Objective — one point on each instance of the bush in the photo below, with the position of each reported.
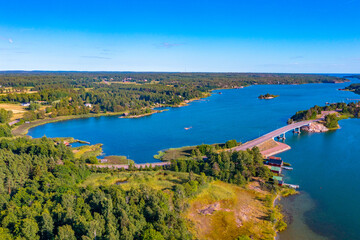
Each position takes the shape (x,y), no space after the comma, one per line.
(243,237)
(5,115)
(331,121)
(5,131)
(231,143)
(92,160)
(281,225)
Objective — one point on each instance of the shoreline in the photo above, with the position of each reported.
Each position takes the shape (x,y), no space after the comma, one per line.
(23,129)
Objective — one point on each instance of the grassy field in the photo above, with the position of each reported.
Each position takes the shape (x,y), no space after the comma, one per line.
(238,212)
(161,180)
(267,145)
(17,109)
(8,90)
(118,160)
(174,153)
(87,151)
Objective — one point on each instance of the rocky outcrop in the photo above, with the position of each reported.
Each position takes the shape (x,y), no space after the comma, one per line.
(315,127)
(210,209)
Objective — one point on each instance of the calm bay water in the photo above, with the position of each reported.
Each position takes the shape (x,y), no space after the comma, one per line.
(325,165)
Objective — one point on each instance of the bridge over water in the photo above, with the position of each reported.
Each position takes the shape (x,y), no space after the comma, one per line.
(243,147)
(271,135)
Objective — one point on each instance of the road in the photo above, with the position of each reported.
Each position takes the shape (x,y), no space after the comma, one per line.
(272,134)
(127,166)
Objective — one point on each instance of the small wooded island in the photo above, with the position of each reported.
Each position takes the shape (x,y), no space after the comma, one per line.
(268,96)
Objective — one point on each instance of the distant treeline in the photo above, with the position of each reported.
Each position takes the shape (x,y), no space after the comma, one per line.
(67,92)
(204,80)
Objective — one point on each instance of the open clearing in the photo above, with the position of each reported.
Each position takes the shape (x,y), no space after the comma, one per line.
(17,109)
(160,180)
(235,212)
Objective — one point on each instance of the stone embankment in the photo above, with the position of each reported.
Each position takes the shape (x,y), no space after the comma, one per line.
(315,127)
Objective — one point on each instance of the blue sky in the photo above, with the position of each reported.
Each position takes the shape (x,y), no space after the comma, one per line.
(205,36)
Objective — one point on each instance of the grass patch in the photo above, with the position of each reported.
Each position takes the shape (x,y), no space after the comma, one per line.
(118,160)
(17,109)
(240,213)
(159,155)
(87,151)
(269,144)
(287,191)
(160,180)
(176,153)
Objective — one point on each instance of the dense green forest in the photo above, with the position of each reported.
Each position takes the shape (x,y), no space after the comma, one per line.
(40,198)
(204,80)
(232,167)
(65,93)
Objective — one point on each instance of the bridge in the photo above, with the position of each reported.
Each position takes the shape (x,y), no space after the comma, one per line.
(280,132)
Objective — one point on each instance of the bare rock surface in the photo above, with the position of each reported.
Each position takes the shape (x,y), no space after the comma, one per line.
(210,209)
(315,127)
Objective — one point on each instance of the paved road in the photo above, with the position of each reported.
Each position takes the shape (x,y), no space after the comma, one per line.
(127,166)
(272,134)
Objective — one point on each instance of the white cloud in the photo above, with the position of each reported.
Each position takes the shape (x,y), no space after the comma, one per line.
(10,40)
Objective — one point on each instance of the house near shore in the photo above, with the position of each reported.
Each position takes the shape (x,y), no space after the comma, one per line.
(275,169)
(25,104)
(278,179)
(89,105)
(274,161)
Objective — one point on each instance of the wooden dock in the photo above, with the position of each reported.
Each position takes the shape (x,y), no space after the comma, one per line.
(291,185)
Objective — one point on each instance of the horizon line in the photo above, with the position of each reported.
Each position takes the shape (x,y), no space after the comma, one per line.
(117,71)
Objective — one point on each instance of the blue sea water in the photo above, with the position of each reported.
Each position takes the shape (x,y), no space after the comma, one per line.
(326,165)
